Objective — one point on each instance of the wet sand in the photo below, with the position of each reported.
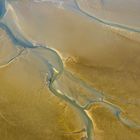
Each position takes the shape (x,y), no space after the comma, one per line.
(100,79)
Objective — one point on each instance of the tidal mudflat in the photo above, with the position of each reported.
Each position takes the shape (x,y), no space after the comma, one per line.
(69,70)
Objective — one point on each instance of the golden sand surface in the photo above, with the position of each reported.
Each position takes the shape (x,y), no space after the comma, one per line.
(28,110)
(108,59)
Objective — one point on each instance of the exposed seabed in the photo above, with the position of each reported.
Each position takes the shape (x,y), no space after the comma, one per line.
(58,78)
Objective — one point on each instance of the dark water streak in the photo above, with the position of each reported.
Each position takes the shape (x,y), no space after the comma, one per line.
(56,70)
(106,22)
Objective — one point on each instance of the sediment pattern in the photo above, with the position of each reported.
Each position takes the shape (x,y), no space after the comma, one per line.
(60,80)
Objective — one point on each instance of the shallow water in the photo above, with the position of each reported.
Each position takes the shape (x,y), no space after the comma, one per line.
(66,74)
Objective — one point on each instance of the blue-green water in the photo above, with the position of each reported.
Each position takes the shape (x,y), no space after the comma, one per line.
(56,71)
